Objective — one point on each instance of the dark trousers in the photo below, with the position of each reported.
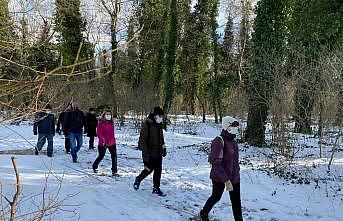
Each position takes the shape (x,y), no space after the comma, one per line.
(154,165)
(67,144)
(235,197)
(41,141)
(91,142)
(102,151)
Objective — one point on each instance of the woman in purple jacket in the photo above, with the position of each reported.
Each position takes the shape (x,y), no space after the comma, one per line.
(225,169)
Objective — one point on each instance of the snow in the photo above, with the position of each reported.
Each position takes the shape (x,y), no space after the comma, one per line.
(77,194)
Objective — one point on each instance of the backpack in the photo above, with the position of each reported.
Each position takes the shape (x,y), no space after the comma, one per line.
(210,151)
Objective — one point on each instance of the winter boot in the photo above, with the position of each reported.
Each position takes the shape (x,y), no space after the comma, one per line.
(158,191)
(115,174)
(95,170)
(136,184)
(203,216)
(36,152)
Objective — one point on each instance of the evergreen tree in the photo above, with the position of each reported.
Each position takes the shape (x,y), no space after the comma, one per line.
(70,26)
(133,77)
(202,51)
(227,65)
(244,39)
(268,45)
(215,94)
(315,27)
(188,61)
(171,56)
(152,41)
(6,34)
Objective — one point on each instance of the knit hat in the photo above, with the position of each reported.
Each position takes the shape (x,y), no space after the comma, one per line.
(229,121)
(158,110)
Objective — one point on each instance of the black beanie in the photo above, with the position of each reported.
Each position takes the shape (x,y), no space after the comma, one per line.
(158,110)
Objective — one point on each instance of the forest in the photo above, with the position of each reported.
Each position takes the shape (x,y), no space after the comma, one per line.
(272,69)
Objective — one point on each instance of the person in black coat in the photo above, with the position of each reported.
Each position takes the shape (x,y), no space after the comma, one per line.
(44,126)
(91,124)
(74,122)
(60,123)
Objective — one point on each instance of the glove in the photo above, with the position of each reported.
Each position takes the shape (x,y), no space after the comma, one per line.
(164,152)
(229,186)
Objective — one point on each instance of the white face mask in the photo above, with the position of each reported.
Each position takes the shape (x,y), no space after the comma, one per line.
(108,117)
(233,130)
(159,119)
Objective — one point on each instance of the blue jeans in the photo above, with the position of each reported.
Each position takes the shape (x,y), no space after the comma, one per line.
(75,137)
(41,141)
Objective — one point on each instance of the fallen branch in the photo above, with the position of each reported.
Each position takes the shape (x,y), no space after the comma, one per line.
(16,195)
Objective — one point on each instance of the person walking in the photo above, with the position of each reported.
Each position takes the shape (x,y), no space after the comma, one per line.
(91,124)
(106,135)
(44,126)
(225,172)
(61,128)
(151,142)
(74,122)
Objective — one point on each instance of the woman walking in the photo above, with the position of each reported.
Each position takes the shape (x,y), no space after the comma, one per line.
(225,169)
(106,135)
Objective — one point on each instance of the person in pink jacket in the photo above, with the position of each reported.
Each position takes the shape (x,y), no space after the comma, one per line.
(106,135)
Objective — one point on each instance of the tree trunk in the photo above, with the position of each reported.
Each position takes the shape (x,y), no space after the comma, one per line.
(214,104)
(171,57)
(257,116)
(114,45)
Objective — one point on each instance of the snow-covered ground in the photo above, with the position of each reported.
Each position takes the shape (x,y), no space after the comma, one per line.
(269,191)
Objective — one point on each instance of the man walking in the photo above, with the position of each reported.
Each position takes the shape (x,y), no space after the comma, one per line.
(60,123)
(44,126)
(74,122)
(151,142)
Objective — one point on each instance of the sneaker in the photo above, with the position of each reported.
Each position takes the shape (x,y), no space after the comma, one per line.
(158,191)
(203,216)
(49,155)
(95,170)
(136,184)
(74,161)
(68,152)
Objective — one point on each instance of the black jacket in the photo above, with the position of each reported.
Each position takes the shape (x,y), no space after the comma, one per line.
(44,123)
(91,124)
(151,138)
(74,121)
(60,122)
